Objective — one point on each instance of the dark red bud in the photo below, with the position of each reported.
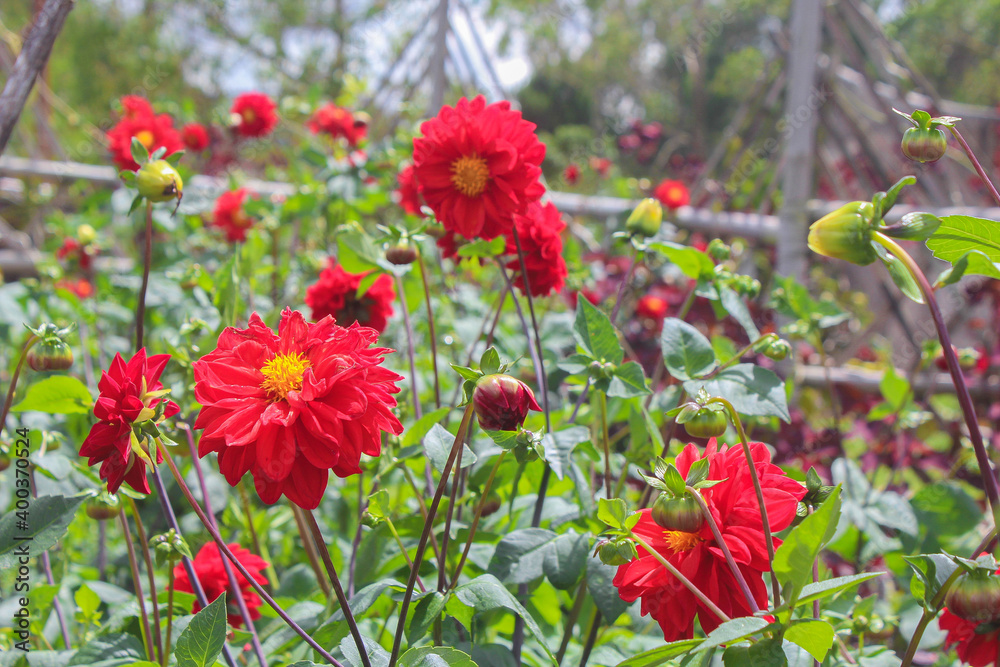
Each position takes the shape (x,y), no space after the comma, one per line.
(502,402)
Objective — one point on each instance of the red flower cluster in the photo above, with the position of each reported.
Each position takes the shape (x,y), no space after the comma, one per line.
(72,251)
(338,122)
(289,407)
(408,193)
(643,139)
(256,114)
(130,393)
(734,506)
(672,194)
(230,217)
(539,232)
(140,121)
(478,166)
(195,137)
(211,573)
(335,294)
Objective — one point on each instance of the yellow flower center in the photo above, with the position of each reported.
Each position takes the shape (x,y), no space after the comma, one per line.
(145,138)
(284,374)
(469,175)
(679,541)
(248,115)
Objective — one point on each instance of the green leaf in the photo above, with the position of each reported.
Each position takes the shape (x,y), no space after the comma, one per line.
(733,631)
(895,388)
(595,334)
(366,282)
(830,587)
(612,512)
(692,262)
(603,591)
(628,382)
(815,636)
(111,650)
(57,395)
(753,390)
(519,556)
(931,571)
(435,656)
(486,593)
(489,364)
(794,559)
(661,655)
(202,640)
(559,447)
(140,154)
(686,352)
(87,601)
(377,656)
(483,248)
(378,504)
(415,433)
(944,510)
(974,262)
(47,519)
(565,559)
(737,309)
(437,445)
(900,274)
(425,612)
(765,653)
(958,234)
(356,252)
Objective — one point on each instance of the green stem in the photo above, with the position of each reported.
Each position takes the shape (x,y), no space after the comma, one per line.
(602,407)
(477,517)
(147,636)
(147,259)
(961,389)
(310,549)
(170,614)
(446,533)
(13,381)
(768,538)
(574,614)
(739,355)
(402,550)
(975,163)
(681,578)
(258,547)
(151,576)
(410,352)
(430,327)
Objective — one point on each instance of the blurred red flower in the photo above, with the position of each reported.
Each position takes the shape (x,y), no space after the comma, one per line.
(130,393)
(230,216)
(195,136)
(81,287)
(335,293)
(539,231)
(408,192)
(257,115)
(290,407)
(672,194)
(72,250)
(601,165)
(211,573)
(338,122)
(138,120)
(652,307)
(733,504)
(571,174)
(477,166)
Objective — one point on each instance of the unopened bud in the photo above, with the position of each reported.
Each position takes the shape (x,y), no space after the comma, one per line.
(924,144)
(159,181)
(646,218)
(502,402)
(50,354)
(845,234)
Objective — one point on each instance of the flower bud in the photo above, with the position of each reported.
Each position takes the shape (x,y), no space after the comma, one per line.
(646,218)
(975,596)
(502,402)
(707,423)
(845,234)
(778,350)
(681,513)
(401,254)
(924,144)
(370,520)
(86,234)
(617,553)
(50,354)
(103,507)
(718,250)
(159,181)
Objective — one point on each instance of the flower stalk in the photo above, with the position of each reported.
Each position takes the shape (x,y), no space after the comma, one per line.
(147,258)
(151,575)
(147,635)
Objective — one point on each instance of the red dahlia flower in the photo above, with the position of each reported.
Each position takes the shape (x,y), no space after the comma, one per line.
(652,307)
(335,293)
(408,193)
(338,122)
(539,231)
(195,136)
(130,393)
(477,166)
(139,121)
(256,112)
(80,287)
(601,165)
(289,407)
(571,174)
(672,194)
(230,216)
(977,643)
(734,505)
(211,573)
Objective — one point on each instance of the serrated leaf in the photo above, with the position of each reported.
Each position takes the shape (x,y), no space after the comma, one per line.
(734,631)
(959,234)
(435,656)
(111,650)
(932,570)
(377,656)
(661,655)
(201,641)
(559,447)
(57,395)
(686,352)
(765,653)
(794,559)
(737,309)
(612,512)
(48,517)
(628,381)
(595,334)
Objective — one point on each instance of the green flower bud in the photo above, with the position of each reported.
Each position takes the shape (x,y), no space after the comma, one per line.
(159,181)
(103,507)
(617,553)
(975,596)
(845,234)
(681,513)
(778,350)
(50,354)
(646,218)
(707,423)
(924,144)
(718,250)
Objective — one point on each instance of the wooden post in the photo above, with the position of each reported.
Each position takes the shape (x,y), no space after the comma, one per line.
(802,102)
(440,79)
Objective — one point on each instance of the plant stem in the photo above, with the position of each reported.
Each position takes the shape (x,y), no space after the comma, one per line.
(681,578)
(423,508)
(430,327)
(574,614)
(975,163)
(147,635)
(745,442)
(258,547)
(446,534)
(543,383)
(234,584)
(961,389)
(595,625)
(310,549)
(410,353)
(102,551)
(624,285)
(402,550)
(418,557)
(147,259)
(13,382)
(602,407)
(47,569)
(356,542)
(733,567)
(739,355)
(324,553)
(151,576)
(170,614)
(224,548)
(477,517)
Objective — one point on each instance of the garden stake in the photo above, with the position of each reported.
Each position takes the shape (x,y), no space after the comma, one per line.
(324,553)
(224,548)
